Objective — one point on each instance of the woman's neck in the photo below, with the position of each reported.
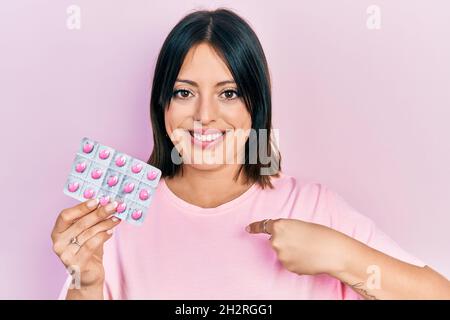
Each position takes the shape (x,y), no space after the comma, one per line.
(208,188)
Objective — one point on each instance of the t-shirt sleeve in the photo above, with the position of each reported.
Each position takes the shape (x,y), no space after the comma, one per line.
(348,220)
(111,287)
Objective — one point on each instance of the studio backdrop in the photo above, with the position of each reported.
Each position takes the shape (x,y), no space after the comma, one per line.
(361,96)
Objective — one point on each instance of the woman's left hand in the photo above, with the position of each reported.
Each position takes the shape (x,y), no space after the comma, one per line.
(304,247)
(309,248)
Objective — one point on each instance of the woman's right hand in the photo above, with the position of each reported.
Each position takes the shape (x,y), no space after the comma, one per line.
(91,225)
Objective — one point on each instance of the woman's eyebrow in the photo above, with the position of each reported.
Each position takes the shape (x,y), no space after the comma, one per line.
(195,84)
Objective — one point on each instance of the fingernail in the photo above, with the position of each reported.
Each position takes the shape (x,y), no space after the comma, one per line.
(110,231)
(110,207)
(92,203)
(115,219)
(247,228)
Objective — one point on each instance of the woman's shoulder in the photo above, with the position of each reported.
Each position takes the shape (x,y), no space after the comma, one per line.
(317,202)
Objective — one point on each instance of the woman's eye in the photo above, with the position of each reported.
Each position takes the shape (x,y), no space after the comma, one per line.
(230,94)
(183,94)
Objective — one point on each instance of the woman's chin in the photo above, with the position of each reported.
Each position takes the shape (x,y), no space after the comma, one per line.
(204,166)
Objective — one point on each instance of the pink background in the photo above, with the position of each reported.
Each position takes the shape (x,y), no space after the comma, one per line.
(363,111)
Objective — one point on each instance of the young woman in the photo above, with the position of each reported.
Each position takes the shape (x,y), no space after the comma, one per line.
(207,233)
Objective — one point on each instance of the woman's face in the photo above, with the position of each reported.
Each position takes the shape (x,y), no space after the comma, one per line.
(207,119)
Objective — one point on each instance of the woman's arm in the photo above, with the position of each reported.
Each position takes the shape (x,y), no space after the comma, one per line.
(309,248)
(376,275)
(93,292)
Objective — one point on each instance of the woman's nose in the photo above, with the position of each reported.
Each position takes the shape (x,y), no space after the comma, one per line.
(206,110)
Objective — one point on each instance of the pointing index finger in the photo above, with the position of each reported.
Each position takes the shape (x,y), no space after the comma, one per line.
(258,226)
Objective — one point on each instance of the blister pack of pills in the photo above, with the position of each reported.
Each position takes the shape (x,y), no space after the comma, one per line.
(99,171)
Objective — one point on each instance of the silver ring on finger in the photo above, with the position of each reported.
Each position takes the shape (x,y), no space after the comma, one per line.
(74,240)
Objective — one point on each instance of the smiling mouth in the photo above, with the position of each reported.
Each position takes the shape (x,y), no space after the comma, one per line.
(207,136)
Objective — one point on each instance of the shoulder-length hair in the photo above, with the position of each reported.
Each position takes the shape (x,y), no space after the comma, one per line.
(239,47)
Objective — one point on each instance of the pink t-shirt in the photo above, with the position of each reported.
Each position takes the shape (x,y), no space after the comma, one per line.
(183,251)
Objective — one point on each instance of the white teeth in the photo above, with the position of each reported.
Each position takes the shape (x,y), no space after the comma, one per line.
(207,137)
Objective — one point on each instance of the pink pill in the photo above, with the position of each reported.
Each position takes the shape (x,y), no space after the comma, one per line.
(96,174)
(121,207)
(136,168)
(151,175)
(112,181)
(120,161)
(104,154)
(87,148)
(129,187)
(136,215)
(73,186)
(143,194)
(104,200)
(88,193)
(80,167)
